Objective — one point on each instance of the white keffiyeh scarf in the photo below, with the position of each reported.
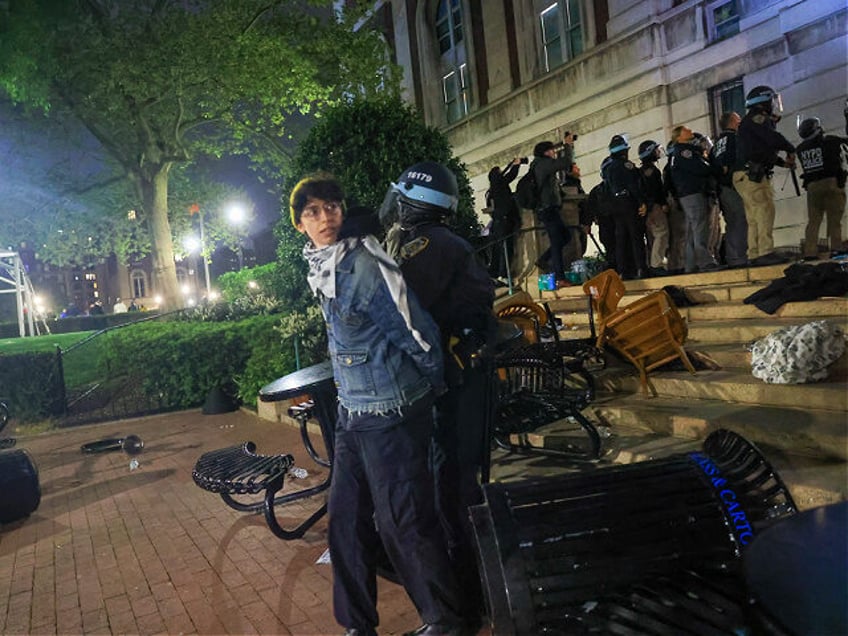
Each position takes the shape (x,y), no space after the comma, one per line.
(322,274)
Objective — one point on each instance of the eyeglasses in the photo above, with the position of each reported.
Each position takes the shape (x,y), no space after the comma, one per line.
(330,208)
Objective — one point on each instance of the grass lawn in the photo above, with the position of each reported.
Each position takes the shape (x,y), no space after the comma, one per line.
(80,365)
(41,343)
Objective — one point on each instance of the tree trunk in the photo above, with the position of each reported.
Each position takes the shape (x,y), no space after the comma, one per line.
(165,283)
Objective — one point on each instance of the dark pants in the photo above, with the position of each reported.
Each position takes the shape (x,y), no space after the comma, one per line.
(383,476)
(502,227)
(558,235)
(458,453)
(736,226)
(629,240)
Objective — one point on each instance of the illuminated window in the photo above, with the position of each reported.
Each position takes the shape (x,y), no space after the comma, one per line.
(455,88)
(562,32)
(138,282)
(722,19)
(450,37)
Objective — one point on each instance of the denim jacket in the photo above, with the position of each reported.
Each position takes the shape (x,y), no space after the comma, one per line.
(379,366)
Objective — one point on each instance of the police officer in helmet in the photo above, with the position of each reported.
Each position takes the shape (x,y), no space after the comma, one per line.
(441,269)
(628,205)
(758,144)
(824,159)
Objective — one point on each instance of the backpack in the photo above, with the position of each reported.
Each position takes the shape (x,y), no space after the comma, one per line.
(600,201)
(527,190)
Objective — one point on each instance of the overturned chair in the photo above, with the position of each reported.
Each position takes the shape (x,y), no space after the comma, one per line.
(648,333)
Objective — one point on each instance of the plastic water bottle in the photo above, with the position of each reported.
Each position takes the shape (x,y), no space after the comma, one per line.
(298,473)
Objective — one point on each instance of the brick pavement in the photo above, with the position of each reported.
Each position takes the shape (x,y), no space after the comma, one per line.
(145,551)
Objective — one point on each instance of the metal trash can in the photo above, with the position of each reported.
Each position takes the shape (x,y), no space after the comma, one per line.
(20,492)
(550,546)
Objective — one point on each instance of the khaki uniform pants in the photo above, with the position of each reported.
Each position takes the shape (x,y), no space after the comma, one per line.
(825,199)
(657,225)
(759,210)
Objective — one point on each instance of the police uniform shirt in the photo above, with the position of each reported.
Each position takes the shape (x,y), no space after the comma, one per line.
(758,140)
(439,267)
(624,180)
(654,188)
(690,171)
(723,157)
(824,156)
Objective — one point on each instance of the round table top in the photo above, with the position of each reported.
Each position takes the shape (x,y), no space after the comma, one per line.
(797,570)
(298,382)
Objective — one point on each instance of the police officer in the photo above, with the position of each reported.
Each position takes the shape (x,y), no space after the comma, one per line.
(656,220)
(691,174)
(624,183)
(598,209)
(545,165)
(676,219)
(723,160)
(440,268)
(758,143)
(824,159)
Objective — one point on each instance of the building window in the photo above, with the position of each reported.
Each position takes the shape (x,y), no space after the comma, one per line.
(452,57)
(455,90)
(448,25)
(727,97)
(562,32)
(138,282)
(722,19)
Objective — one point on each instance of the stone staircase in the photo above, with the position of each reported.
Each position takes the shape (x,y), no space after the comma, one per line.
(802,429)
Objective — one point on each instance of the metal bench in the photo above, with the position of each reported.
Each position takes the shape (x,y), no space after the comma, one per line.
(573,553)
(544,382)
(240,471)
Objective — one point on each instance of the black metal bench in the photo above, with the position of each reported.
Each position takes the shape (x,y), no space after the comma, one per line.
(240,471)
(544,382)
(650,548)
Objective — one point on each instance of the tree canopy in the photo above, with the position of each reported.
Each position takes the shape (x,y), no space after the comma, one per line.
(162,83)
(366,143)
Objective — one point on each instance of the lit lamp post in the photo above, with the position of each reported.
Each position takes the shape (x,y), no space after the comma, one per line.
(237,215)
(195,209)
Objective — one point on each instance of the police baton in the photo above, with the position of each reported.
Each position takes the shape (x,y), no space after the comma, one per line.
(795,182)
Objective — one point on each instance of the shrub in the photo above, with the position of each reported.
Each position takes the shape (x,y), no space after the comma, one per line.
(179,362)
(31,384)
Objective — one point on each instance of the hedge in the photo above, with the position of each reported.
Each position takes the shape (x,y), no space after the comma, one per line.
(31,385)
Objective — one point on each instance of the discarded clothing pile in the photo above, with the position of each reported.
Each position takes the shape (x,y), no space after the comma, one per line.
(801,282)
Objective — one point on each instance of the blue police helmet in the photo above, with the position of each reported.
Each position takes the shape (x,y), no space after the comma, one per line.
(429,183)
(618,143)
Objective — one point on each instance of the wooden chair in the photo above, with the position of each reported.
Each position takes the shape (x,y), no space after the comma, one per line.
(649,333)
(606,290)
(521,309)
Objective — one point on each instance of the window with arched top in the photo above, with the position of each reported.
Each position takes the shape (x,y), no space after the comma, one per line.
(138,283)
(450,35)
(561,25)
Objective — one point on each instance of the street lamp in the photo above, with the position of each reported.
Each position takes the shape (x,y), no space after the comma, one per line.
(237,216)
(195,209)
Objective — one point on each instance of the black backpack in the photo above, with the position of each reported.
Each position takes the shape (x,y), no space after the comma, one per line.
(527,190)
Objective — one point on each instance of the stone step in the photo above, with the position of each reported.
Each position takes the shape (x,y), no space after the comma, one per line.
(729,331)
(807,432)
(812,481)
(576,313)
(737,356)
(752,277)
(732,387)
